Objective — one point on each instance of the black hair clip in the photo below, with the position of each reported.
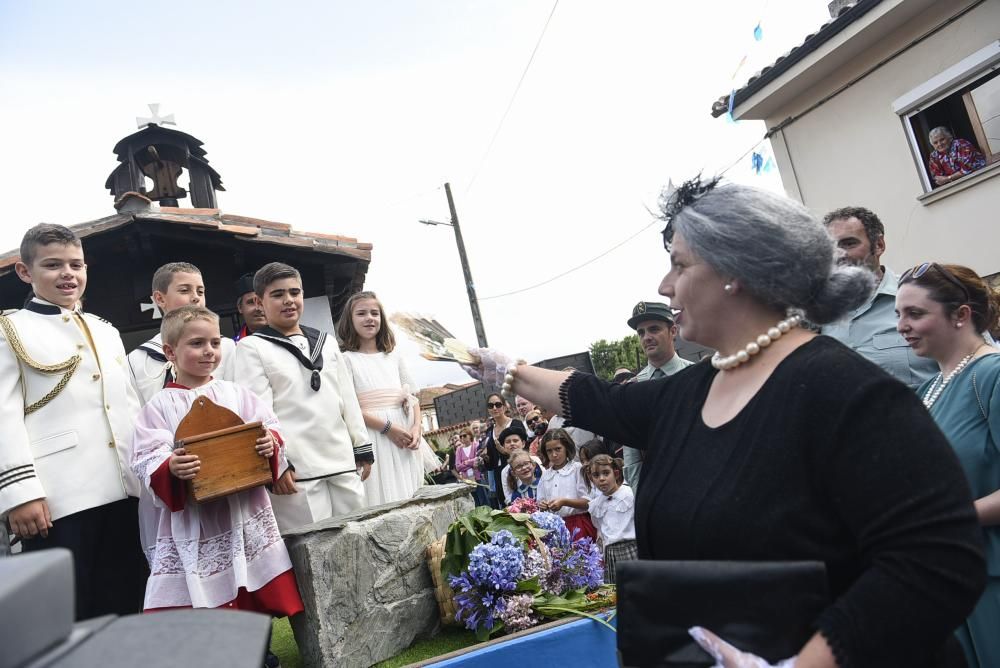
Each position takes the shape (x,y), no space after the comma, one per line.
(314,381)
(674,198)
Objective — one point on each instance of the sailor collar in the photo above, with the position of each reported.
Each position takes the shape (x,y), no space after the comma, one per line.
(316,340)
(154,348)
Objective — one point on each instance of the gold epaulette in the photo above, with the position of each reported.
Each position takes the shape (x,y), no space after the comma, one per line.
(66,368)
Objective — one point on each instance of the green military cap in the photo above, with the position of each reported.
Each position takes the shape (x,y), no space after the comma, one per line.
(650,311)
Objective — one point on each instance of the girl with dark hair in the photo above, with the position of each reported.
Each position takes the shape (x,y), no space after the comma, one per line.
(612,509)
(563,488)
(944,313)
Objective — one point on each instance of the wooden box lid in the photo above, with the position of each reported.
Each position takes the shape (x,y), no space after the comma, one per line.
(227,450)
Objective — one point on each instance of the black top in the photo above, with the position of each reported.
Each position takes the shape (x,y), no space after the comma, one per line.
(496,460)
(833,460)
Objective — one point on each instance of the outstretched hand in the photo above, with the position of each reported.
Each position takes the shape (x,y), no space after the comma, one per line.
(727,656)
(493,365)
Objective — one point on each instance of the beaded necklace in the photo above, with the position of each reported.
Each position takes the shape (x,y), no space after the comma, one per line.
(937,385)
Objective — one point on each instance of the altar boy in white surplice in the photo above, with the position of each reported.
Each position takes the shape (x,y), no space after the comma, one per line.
(226,553)
(300,373)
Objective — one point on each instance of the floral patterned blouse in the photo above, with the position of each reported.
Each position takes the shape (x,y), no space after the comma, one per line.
(962,156)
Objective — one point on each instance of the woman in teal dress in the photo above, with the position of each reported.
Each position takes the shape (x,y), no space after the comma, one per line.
(944,313)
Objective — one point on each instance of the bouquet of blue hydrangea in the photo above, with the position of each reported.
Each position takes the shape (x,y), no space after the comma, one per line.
(509,571)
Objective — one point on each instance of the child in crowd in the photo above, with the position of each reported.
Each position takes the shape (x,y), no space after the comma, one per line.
(468,461)
(66,415)
(240,560)
(563,488)
(304,379)
(390,410)
(512,439)
(175,284)
(589,450)
(612,508)
(523,474)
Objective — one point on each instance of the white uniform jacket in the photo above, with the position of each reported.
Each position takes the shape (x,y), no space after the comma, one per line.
(73,451)
(313,397)
(149,370)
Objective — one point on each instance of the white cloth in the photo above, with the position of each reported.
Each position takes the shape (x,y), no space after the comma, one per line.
(74,451)
(148,372)
(318,500)
(566,483)
(383,383)
(200,556)
(614,516)
(323,428)
(505,479)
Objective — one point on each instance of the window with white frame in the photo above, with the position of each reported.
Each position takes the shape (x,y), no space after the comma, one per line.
(952,121)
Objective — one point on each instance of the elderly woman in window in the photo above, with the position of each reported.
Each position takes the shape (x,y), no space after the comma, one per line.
(952,158)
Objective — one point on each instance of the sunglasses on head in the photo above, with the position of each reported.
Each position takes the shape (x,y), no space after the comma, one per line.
(495,404)
(914,273)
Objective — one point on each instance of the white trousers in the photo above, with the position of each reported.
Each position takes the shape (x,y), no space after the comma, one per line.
(318,500)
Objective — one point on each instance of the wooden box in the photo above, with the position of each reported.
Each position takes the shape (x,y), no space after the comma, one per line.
(227,450)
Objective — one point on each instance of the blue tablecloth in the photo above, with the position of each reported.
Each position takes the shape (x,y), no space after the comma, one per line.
(580,643)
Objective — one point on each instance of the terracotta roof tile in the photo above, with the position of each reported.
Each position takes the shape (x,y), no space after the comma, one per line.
(251,229)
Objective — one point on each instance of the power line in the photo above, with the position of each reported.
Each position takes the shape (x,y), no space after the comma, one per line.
(616,246)
(579,266)
(510,104)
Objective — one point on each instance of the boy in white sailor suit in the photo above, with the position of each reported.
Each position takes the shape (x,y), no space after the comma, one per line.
(175,284)
(66,415)
(300,372)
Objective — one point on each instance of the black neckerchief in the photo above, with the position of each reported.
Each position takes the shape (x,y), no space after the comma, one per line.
(155,350)
(42,309)
(316,339)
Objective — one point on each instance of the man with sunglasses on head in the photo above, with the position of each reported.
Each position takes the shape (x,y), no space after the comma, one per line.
(870,330)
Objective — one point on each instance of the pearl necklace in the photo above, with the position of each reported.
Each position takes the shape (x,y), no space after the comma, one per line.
(754,347)
(937,386)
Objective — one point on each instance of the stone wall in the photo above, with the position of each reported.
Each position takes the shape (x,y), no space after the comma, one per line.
(364,578)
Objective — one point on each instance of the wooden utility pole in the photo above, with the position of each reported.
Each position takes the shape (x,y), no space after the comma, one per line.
(470,287)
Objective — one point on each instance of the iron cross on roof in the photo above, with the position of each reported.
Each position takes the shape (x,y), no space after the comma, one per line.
(156,119)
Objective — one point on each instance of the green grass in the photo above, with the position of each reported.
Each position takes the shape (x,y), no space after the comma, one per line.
(283,643)
(450,639)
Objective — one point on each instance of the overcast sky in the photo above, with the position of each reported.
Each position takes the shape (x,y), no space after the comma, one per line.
(347,118)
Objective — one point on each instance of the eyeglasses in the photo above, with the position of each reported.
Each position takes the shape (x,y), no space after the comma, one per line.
(495,404)
(532,421)
(916,272)
(465,436)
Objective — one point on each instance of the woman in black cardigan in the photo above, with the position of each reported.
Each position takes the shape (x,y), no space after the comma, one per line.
(787,446)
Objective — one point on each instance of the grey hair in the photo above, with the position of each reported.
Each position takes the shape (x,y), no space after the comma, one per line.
(939,130)
(778,251)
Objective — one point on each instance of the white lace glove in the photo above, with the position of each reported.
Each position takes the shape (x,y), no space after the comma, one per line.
(727,656)
(493,365)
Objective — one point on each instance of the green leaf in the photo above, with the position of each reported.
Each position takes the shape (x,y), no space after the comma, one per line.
(531,585)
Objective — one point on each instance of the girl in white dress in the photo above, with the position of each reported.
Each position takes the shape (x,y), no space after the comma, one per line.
(390,410)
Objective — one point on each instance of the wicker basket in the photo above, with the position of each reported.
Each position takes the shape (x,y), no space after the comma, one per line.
(442,590)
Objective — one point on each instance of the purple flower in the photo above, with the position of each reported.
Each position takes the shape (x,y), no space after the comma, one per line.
(558,534)
(577,567)
(497,565)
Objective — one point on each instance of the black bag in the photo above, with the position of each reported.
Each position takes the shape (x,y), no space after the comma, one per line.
(767,608)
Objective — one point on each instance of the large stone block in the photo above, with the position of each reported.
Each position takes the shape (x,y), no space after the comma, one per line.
(364,578)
